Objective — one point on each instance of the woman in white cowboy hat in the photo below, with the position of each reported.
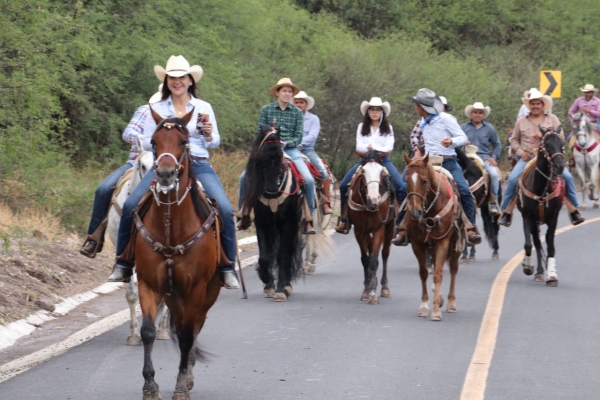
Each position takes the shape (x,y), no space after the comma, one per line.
(104,192)
(489,148)
(374,133)
(178,98)
(311,130)
(524,141)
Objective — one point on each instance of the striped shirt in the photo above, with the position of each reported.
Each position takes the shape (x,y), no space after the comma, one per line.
(135,128)
(290,120)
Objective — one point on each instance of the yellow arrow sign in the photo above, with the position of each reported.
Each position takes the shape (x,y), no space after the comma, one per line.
(550,83)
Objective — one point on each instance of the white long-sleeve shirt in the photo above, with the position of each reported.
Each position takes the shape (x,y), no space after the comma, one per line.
(439,128)
(379,142)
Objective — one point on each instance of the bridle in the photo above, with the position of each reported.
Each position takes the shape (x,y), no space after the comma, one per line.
(362,182)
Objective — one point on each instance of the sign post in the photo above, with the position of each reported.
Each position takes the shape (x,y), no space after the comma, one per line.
(550,83)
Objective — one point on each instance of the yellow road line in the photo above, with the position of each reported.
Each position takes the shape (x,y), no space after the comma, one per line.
(476,379)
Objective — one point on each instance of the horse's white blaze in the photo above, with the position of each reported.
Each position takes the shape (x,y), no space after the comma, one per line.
(372,173)
(415,177)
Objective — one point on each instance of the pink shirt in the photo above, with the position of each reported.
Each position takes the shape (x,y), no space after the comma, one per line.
(594,106)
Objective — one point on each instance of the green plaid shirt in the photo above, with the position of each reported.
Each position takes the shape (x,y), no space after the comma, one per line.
(290,120)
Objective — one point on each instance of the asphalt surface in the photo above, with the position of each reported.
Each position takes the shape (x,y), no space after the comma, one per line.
(325,344)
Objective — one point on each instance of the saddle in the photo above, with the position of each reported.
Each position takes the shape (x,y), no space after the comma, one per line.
(437,161)
(471,151)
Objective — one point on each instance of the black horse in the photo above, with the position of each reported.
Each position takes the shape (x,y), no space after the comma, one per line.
(274,193)
(540,203)
(482,195)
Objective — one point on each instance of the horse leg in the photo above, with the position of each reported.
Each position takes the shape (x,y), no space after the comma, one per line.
(472,255)
(385,253)
(441,253)
(378,238)
(581,174)
(535,232)
(429,261)
(420,252)
(364,260)
(289,259)
(465,255)
(131,295)
(527,265)
(552,277)
(594,188)
(453,262)
(163,323)
(264,263)
(148,302)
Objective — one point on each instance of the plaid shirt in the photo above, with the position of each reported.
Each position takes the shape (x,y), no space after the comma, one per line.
(416,136)
(290,120)
(135,127)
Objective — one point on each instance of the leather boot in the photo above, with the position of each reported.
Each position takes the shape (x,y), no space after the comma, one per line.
(505,220)
(576,217)
(121,273)
(401,238)
(308,228)
(229,279)
(494,209)
(343,226)
(473,236)
(326,198)
(89,248)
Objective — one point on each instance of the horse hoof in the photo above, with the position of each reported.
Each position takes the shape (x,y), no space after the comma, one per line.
(596,205)
(190,382)
(495,256)
(310,268)
(385,293)
(268,293)
(451,308)
(430,270)
(279,297)
(552,282)
(436,316)
(288,290)
(464,260)
(152,394)
(423,312)
(181,396)
(163,334)
(373,299)
(134,340)
(527,269)
(364,297)
(538,278)
(472,259)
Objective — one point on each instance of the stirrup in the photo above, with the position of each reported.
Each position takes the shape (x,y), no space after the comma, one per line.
(343,226)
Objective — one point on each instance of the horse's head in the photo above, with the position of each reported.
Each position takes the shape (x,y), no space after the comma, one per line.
(376,177)
(551,151)
(583,128)
(142,165)
(170,144)
(418,182)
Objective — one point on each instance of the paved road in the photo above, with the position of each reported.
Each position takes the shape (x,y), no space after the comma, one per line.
(325,344)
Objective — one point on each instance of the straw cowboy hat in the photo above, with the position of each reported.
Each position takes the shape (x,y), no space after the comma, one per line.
(309,100)
(284,82)
(477,106)
(427,99)
(447,107)
(178,66)
(156,97)
(589,88)
(535,94)
(375,102)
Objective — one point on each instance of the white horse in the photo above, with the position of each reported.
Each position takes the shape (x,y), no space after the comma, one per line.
(587,155)
(143,164)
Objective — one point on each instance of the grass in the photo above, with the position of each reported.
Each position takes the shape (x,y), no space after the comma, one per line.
(26,222)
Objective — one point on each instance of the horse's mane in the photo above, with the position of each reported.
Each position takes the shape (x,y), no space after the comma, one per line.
(266,155)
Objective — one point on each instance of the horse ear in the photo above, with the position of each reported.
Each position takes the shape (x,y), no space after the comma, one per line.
(426,159)
(187,117)
(138,141)
(155,115)
(407,159)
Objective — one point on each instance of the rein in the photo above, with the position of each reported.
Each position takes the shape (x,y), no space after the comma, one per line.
(361,206)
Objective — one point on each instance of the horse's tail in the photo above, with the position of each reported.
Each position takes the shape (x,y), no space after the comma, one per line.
(490,223)
(319,244)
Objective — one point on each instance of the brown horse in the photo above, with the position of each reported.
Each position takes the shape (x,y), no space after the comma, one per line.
(177,253)
(371,210)
(435,223)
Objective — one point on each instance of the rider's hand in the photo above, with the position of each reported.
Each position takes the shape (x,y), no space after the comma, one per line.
(492,162)
(447,142)
(370,147)
(207,128)
(537,135)
(208,138)
(586,110)
(525,157)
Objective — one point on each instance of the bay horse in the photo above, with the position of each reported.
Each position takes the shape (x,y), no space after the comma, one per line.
(371,210)
(586,153)
(434,224)
(142,165)
(273,191)
(540,201)
(177,251)
(481,189)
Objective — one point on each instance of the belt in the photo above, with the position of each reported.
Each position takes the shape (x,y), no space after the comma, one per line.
(448,157)
(198,158)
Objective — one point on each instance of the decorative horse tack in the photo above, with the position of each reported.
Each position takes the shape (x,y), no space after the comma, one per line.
(274,204)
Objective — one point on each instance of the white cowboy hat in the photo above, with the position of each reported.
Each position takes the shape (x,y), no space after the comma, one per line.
(589,88)
(376,102)
(427,99)
(302,95)
(283,82)
(535,94)
(477,106)
(156,97)
(447,106)
(178,66)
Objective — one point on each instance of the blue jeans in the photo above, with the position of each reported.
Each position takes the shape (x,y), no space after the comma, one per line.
(494,178)
(213,188)
(316,161)
(309,181)
(103,195)
(397,178)
(466,198)
(517,172)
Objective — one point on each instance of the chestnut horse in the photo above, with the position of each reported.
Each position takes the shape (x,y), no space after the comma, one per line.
(435,223)
(371,211)
(176,252)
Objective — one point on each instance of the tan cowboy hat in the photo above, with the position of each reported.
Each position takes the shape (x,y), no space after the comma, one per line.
(535,94)
(376,102)
(178,66)
(427,99)
(309,100)
(477,106)
(156,97)
(589,88)
(283,82)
